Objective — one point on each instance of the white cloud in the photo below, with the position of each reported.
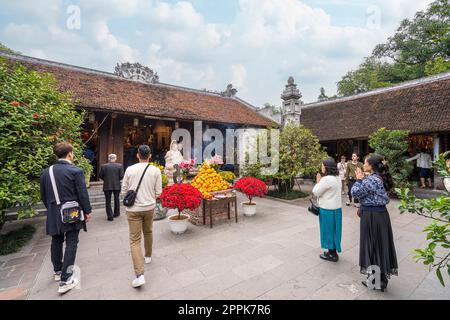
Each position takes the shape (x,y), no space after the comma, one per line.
(265,43)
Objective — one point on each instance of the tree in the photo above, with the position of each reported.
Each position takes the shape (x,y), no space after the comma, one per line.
(437,253)
(5,49)
(419,48)
(34,116)
(322,96)
(393,144)
(300,154)
(419,40)
(371,74)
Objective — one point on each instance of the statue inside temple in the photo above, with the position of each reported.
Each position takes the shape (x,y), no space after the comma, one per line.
(173,157)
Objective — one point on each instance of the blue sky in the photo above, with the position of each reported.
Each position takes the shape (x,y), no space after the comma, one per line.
(254,44)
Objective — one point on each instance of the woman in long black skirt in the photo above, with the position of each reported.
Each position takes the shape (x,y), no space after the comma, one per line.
(377,248)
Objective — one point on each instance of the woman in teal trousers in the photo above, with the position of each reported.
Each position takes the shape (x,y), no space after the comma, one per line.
(328,190)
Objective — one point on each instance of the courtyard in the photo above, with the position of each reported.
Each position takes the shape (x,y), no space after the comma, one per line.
(273,255)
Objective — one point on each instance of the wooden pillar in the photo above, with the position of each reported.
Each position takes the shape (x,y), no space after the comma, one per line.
(436,150)
(118,138)
(111,134)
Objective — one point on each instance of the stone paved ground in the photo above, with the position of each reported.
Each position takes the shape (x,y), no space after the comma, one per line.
(274,255)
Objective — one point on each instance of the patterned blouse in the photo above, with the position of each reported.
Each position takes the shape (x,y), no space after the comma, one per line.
(370,191)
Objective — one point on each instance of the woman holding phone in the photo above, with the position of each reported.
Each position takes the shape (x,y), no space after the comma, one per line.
(376,246)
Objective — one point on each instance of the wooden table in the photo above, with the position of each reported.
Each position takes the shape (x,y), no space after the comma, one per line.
(229,201)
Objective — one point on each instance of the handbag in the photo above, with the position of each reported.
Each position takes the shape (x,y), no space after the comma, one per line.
(70,211)
(313,208)
(130,197)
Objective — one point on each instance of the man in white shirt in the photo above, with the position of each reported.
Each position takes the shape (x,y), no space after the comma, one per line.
(140,215)
(424,164)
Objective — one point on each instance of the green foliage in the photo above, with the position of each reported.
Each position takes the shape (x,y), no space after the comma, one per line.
(254,170)
(34,116)
(393,144)
(438,232)
(13,241)
(436,66)
(371,74)
(292,195)
(5,49)
(421,39)
(300,154)
(419,48)
(442,164)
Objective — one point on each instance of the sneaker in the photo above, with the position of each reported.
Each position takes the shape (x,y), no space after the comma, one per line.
(68,285)
(139,281)
(348,203)
(57,276)
(148,260)
(357,205)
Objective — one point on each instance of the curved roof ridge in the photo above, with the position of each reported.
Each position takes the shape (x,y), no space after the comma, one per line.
(26,58)
(403,85)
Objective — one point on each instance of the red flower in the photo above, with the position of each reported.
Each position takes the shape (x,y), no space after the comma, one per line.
(252,187)
(181,197)
(36,115)
(15,103)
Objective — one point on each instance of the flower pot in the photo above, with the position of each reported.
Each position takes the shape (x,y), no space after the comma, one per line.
(160,212)
(249,209)
(447,183)
(178,226)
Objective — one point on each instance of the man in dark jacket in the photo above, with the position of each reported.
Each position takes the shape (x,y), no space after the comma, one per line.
(111,174)
(71,186)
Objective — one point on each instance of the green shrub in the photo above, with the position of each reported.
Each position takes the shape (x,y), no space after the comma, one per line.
(14,240)
(393,144)
(34,116)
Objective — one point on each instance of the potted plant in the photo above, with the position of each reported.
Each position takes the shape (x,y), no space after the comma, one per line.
(180,197)
(442,165)
(252,187)
(186,166)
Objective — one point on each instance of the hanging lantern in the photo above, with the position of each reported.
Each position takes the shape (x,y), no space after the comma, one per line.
(177,125)
(136,122)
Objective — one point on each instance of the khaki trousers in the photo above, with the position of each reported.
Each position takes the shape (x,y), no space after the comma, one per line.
(140,223)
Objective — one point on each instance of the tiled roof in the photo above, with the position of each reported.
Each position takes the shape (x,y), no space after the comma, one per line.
(98,90)
(421,106)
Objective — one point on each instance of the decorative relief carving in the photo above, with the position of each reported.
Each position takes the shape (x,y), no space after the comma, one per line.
(136,71)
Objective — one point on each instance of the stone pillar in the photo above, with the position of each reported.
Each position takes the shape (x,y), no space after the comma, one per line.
(438,184)
(291,109)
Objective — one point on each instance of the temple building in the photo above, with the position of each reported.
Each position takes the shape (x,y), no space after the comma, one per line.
(131,107)
(343,125)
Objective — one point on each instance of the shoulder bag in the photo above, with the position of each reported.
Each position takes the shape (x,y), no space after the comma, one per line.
(313,208)
(70,211)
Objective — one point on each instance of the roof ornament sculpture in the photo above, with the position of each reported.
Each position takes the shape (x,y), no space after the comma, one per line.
(137,72)
(291,91)
(230,92)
